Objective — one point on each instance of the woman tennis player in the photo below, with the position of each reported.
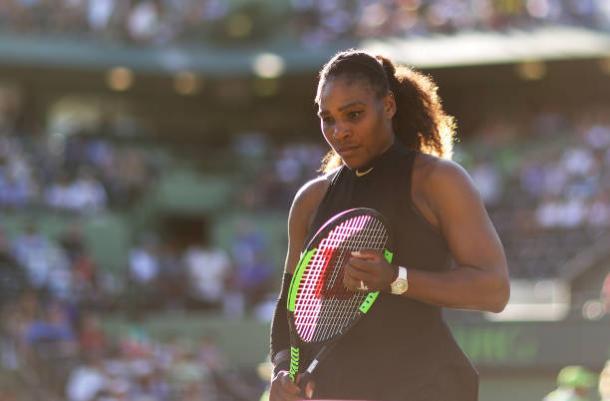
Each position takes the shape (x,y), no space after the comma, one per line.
(390,144)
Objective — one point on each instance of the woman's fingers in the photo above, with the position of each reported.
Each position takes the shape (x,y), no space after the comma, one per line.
(309,389)
(283,389)
(366,269)
(357,275)
(308,386)
(289,385)
(357,281)
(369,254)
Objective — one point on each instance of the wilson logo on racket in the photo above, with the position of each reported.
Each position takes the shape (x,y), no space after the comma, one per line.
(320,309)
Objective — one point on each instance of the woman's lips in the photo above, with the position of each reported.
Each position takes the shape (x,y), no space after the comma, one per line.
(347,150)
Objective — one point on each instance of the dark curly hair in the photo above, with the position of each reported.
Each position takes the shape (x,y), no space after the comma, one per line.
(420,122)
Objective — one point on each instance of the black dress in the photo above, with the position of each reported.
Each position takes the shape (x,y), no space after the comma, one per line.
(403,350)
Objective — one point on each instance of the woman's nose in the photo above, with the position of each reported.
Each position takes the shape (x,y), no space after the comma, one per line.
(340,131)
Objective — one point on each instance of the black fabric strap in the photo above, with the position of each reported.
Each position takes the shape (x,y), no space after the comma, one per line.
(280,338)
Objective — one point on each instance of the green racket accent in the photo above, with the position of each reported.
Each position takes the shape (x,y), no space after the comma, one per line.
(372,296)
(294,363)
(388,255)
(368,301)
(296,278)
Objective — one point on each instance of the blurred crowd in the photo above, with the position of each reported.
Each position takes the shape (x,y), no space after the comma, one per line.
(158,275)
(237,282)
(80,174)
(546,185)
(63,166)
(556,170)
(66,171)
(82,168)
(313,22)
(280,171)
(142,22)
(63,268)
(321,21)
(65,353)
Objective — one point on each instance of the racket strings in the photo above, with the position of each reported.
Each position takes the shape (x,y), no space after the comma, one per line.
(322,315)
(336,313)
(340,312)
(345,312)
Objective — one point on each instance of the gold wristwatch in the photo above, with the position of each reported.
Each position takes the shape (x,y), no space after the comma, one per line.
(401,284)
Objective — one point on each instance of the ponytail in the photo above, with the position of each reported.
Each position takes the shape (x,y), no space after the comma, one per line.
(420,122)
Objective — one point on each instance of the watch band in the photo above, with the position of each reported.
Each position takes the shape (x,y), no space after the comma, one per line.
(402,272)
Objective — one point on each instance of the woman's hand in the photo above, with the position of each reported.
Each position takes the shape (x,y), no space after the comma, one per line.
(368,270)
(284,389)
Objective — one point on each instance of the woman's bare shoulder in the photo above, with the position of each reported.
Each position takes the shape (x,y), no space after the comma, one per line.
(302,212)
(434,180)
(430,171)
(310,195)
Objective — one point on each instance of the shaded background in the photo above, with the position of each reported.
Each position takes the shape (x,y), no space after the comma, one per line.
(149,151)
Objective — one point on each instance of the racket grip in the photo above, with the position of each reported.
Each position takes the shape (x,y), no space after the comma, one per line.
(306,376)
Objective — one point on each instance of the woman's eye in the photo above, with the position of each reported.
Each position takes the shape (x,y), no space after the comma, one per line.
(328,120)
(354,114)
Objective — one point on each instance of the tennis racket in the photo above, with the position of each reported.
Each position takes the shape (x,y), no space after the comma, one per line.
(320,309)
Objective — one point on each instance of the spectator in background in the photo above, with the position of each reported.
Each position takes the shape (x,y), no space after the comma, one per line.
(128,176)
(13,279)
(488,181)
(14,192)
(208,270)
(85,280)
(143,263)
(143,272)
(99,13)
(254,278)
(53,325)
(52,345)
(253,272)
(38,255)
(87,380)
(574,384)
(143,22)
(84,194)
(60,194)
(90,195)
(91,337)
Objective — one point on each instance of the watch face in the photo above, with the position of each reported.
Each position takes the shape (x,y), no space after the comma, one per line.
(399,286)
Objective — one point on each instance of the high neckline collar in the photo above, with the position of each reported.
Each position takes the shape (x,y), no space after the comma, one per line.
(377,162)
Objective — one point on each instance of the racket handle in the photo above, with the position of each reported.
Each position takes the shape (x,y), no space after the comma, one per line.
(306,376)
(313,365)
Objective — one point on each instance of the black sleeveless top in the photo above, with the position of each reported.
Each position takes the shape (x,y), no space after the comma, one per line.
(403,350)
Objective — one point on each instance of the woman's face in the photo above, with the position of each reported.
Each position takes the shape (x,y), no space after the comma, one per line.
(355,122)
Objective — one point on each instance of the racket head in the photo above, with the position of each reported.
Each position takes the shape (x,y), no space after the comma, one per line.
(320,308)
(318,280)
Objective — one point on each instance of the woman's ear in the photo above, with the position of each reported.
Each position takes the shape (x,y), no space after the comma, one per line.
(389,105)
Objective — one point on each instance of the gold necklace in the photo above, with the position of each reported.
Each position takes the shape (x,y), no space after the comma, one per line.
(362,174)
